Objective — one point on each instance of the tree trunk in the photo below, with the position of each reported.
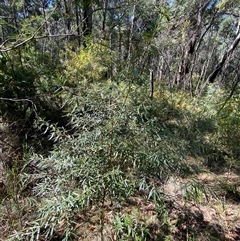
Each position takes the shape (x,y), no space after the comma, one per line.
(151,84)
(77,21)
(87,20)
(104,15)
(211,78)
(190,48)
(68,15)
(131,34)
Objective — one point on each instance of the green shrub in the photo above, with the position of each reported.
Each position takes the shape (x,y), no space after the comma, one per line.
(225,113)
(116,145)
(29,89)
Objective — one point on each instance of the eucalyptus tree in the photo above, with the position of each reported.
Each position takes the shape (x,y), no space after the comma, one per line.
(229,35)
(195,42)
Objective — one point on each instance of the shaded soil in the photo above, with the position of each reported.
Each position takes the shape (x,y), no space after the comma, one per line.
(209,215)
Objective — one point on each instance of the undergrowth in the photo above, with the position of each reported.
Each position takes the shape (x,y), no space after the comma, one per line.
(120,141)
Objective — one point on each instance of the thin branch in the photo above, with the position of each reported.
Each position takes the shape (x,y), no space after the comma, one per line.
(21,100)
(2,49)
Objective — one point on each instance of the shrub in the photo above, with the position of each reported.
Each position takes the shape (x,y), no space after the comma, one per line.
(116,147)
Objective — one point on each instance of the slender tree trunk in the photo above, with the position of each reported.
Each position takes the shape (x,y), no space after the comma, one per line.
(104,15)
(131,34)
(77,22)
(87,20)
(211,78)
(151,81)
(68,17)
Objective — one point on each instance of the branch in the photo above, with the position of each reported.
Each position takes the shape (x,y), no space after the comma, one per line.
(16,45)
(225,56)
(21,100)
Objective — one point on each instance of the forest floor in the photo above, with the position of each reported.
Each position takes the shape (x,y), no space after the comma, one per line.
(213,209)
(206,209)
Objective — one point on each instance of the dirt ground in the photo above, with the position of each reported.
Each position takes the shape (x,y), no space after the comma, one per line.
(212,211)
